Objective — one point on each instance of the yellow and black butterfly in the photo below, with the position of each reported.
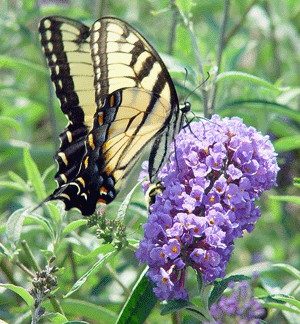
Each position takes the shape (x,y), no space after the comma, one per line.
(117,95)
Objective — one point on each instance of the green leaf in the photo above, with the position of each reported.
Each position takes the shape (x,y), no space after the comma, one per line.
(17,179)
(185,5)
(257,104)
(288,299)
(102,249)
(93,312)
(140,302)
(288,268)
(93,269)
(21,65)
(175,306)
(10,123)
(125,203)
(4,251)
(221,285)
(289,199)
(242,76)
(12,185)
(14,225)
(278,304)
(73,226)
(287,143)
(34,176)
(22,292)
(54,212)
(55,318)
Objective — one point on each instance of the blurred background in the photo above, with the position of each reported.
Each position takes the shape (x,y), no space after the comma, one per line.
(259,81)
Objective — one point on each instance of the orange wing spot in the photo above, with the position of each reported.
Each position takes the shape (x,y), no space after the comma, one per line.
(91,141)
(101,201)
(86,162)
(100,118)
(103,191)
(80,179)
(112,101)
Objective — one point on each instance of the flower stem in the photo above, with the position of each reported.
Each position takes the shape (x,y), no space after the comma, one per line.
(56,305)
(176,318)
(189,25)
(30,256)
(211,105)
(172,34)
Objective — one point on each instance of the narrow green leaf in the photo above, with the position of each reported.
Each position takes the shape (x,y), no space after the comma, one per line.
(102,249)
(4,251)
(221,285)
(175,306)
(34,176)
(257,104)
(54,318)
(54,212)
(18,64)
(17,179)
(73,226)
(22,292)
(242,76)
(288,299)
(124,205)
(93,269)
(12,185)
(76,322)
(287,143)
(10,122)
(288,268)
(14,225)
(290,199)
(93,312)
(140,302)
(282,307)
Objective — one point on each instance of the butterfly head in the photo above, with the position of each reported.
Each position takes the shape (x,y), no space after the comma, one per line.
(185,107)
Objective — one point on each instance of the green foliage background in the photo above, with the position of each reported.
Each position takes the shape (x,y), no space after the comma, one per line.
(259,81)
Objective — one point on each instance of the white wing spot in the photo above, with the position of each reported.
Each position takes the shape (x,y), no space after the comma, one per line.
(97,25)
(50,47)
(96,36)
(54,58)
(63,157)
(47,23)
(95,48)
(132,38)
(48,35)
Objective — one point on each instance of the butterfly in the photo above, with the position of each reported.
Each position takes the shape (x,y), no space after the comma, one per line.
(118,96)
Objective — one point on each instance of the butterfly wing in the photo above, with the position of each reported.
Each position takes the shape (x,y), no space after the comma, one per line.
(129,64)
(65,43)
(135,100)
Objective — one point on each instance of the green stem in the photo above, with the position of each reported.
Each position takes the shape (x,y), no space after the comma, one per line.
(73,263)
(56,305)
(211,105)
(176,318)
(30,256)
(116,277)
(239,24)
(172,35)
(189,25)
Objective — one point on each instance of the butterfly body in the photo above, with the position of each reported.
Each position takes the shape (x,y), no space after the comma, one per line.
(117,95)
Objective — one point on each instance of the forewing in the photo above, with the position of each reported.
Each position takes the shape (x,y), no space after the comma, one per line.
(65,43)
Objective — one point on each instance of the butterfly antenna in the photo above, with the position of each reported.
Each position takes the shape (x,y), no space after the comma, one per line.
(198,86)
(41,203)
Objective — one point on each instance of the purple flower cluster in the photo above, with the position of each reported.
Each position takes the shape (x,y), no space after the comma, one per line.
(238,307)
(220,167)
